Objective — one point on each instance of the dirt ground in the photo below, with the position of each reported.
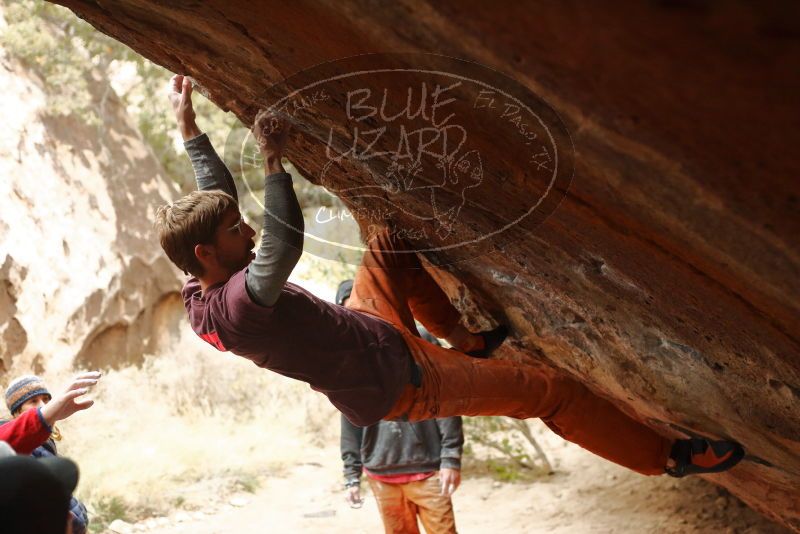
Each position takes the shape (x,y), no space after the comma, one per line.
(587,494)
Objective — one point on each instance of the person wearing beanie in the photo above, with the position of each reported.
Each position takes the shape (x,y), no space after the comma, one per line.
(24,389)
(32,431)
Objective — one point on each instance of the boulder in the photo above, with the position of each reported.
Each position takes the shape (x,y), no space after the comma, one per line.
(83,282)
(663,271)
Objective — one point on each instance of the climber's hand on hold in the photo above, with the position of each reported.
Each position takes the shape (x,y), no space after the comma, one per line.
(271,132)
(180,96)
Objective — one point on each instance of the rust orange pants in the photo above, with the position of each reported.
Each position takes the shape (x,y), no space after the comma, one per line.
(400,504)
(392,284)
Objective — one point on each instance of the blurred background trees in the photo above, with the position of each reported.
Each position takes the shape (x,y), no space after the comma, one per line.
(67,54)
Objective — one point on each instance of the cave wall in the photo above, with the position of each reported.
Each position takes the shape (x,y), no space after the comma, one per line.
(667,277)
(83,283)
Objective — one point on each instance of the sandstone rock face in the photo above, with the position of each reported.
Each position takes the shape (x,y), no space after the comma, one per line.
(82,281)
(667,278)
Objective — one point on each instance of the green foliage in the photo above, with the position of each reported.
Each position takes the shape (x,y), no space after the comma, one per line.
(72,59)
(494,432)
(332,271)
(35,38)
(247,482)
(147,102)
(67,53)
(505,471)
(106,510)
(520,456)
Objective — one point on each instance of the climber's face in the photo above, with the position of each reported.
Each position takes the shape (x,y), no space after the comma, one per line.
(232,249)
(34,402)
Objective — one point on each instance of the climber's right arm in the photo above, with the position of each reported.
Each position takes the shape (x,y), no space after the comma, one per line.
(209,170)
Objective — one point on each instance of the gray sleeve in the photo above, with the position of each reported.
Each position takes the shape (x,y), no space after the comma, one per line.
(452,441)
(281,241)
(350,447)
(209,170)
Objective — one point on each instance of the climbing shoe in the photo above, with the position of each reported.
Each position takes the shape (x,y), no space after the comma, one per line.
(491,340)
(700,455)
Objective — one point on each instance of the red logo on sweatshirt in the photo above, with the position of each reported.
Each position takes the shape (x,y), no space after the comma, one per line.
(213,339)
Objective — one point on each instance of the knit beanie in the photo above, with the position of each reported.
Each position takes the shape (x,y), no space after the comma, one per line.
(24,388)
(343,292)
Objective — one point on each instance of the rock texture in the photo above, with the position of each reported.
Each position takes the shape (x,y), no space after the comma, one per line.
(667,279)
(82,281)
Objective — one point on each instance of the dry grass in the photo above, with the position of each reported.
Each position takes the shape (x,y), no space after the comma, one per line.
(187,418)
(194,423)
